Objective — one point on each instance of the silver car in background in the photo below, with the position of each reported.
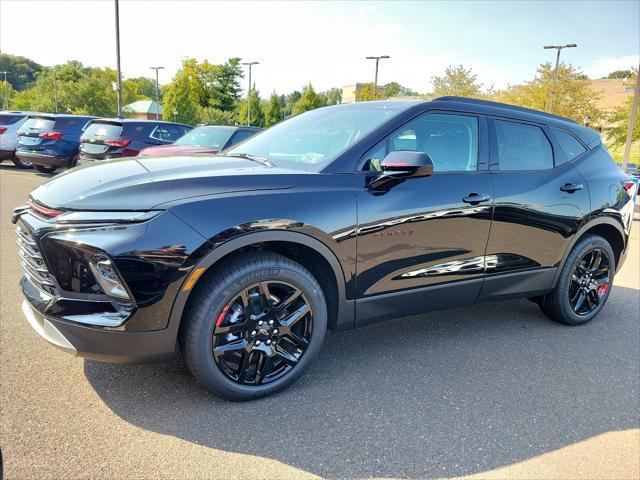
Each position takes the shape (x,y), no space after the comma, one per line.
(10,123)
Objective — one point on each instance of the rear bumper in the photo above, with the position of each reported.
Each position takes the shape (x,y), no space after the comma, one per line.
(100,344)
(43,158)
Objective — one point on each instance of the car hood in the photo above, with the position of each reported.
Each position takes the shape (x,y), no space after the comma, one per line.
(164,150)
(143,183)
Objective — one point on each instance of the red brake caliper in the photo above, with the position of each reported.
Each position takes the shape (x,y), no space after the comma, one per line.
(223,313)
(602,289)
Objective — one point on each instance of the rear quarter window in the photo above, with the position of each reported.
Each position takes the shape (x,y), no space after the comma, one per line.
(70,123)
(570,146)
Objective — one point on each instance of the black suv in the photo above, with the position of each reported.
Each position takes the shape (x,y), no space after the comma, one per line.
(336,218)
(108,138)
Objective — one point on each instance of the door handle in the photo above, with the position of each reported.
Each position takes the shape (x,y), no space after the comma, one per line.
(475,198)
(571,187)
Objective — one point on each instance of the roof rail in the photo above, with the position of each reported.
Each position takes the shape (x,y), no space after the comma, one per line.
(505,106)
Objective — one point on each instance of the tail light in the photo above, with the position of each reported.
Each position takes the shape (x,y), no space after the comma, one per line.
(630,186)
(117,142)
(2,130)
(51,135)
(42,210)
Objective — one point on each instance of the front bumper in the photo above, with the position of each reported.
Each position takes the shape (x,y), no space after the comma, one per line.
(43,159)
(100,344)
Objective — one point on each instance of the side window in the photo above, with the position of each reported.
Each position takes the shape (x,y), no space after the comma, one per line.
(450,140)
(522,147)
(173,132)
(569,145)
(240,136)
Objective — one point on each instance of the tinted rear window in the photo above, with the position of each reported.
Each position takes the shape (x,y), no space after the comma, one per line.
(522,147)
(38,123)
(102,130)
(8,119)
(137,130)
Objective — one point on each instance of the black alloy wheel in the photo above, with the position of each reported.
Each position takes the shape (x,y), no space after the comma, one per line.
(261,334)
(252,325)
(584,283)
(589,282)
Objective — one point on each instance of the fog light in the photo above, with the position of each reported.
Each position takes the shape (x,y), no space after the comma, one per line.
(107,276)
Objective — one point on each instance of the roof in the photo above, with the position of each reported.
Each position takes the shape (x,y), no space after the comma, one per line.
(143,106)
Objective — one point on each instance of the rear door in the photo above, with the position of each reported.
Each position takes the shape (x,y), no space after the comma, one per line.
(93,146)
(421,245)
(540,202)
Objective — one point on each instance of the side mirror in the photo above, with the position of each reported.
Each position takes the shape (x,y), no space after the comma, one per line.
(401,165)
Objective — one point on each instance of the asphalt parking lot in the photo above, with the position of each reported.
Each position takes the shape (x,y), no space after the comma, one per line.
(492,391)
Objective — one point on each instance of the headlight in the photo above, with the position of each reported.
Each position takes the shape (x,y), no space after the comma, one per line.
(107,276)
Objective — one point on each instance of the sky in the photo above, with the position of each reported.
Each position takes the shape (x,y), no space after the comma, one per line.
(326,43)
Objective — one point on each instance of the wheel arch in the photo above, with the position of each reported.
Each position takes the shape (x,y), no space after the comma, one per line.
(306,250)
(605,227)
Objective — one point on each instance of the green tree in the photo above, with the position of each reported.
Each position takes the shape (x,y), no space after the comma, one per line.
(178,97)
(289,102)
(21,71)
(574,99)
(146,87)
(257,115)
(272,110)
(213,116)
(225,87)
(394,89)
(7,95)
(620,118)
(457,81)
(620,74)
(365,93)
(308,101)
(333,96)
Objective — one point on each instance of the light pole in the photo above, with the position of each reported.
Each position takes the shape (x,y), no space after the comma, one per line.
(249,64)
(175,115)
(375,79)
(6,91)
(632,121)
(157,102)
(119,84)
(555,72)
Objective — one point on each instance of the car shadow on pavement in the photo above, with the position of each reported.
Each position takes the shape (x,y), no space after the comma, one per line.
(439,395)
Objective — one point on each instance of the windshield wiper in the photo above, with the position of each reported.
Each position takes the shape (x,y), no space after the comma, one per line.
(248,156)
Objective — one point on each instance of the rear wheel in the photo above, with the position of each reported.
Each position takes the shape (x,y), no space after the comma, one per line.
(254,325)
(20,163)
(45,168)
(584,284)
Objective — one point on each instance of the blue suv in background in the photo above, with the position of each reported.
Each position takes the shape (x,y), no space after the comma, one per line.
(51,141)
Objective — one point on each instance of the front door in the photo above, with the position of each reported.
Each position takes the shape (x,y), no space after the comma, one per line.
(421,245)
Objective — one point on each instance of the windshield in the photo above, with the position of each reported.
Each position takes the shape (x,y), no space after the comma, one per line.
(214,137)
(311,140)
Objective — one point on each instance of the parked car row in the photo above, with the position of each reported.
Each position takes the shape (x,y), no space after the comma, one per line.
(47,141)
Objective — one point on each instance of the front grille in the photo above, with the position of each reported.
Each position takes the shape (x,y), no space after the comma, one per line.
(32,262)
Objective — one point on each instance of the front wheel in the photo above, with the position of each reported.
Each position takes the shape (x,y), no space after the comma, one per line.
(253,326)
(585,283)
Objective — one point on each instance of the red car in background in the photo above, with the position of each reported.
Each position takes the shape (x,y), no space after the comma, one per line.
(203,139)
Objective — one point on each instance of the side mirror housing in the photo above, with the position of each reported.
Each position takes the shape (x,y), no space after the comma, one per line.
(401,165)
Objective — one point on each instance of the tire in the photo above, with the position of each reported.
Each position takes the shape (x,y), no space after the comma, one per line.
(559,304)
(45,168)
(73,162)
(20,163)
(213,309)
